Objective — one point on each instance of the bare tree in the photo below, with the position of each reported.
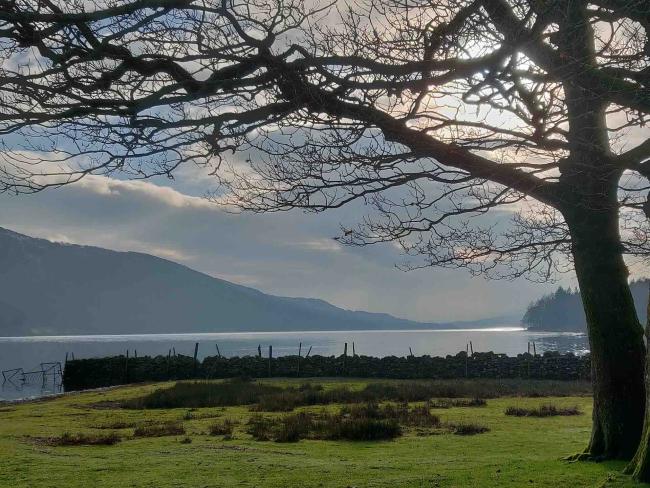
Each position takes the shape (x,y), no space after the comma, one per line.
(448,117)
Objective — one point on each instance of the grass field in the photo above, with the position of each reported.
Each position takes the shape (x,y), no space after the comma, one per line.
(517,451)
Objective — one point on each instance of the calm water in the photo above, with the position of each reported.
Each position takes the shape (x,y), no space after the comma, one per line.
(29,352)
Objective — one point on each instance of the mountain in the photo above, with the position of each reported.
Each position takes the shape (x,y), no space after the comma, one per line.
(562,310)
(51,288)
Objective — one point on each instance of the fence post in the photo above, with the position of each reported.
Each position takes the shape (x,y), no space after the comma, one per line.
(299,353)
(466,359)
(270,357)
(218,351)
(354,352)
(259,350)
(308,352)
(196,352)
(126,367)
(345,358)
(169,358)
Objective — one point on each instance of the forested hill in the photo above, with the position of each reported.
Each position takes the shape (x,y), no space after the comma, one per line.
(562,310)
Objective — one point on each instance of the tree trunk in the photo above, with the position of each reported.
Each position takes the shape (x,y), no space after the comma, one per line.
(615,335)
(640,465)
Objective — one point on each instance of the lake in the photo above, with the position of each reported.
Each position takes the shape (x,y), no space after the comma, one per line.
(29,352)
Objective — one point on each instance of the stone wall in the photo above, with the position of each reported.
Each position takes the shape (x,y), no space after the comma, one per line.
(93,373)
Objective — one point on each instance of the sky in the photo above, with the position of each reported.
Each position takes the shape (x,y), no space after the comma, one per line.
(288,254)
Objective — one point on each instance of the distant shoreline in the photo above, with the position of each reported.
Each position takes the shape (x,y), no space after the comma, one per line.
(148,336)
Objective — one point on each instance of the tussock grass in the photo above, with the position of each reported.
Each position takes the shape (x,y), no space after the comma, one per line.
(543,411)
(197,394)
(260,427)
(359,422)
(296,426)
(82,439)
(159,430)
(262,397)
(456,402)
(193,414)
(117,424)
(462,428)
(224,427)
(292,428)
(361,429)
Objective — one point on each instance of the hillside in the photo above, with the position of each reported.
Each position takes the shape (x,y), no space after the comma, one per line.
(51,288)
(562,310)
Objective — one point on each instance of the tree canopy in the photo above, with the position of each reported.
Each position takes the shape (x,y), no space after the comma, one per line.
(433,112)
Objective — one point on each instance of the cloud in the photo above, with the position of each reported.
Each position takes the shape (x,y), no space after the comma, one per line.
(105,186)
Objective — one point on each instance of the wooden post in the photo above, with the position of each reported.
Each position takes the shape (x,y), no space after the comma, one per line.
(169,358)
(534,349)
(299,354)
(466,361)
(66,358)
(126,367)
(471,348)
(270,357)
(528,344)
(218,351)
(196,352)
(259,350)
(354,352)
(410,352)
(174,351)
(72,355)
(308,352)
(135,353)
(345,357)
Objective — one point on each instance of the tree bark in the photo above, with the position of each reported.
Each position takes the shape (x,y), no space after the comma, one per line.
(639,468)
(615,335)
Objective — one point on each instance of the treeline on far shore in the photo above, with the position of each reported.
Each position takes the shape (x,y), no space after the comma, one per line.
(82,374)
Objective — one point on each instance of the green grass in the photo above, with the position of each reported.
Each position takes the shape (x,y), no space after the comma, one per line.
(515,452)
